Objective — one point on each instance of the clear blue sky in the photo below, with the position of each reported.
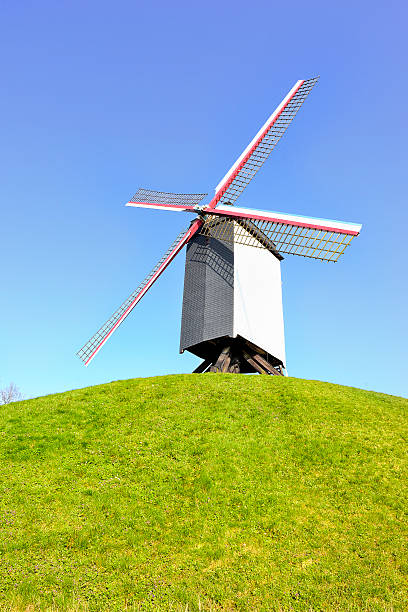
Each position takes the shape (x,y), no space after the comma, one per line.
(100,98)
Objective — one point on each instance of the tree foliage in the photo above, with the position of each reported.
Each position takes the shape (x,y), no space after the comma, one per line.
(9,394)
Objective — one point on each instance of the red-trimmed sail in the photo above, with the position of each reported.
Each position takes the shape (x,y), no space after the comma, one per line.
(91,348)
(164,199)
(258,150)
(326,242)
(269,216)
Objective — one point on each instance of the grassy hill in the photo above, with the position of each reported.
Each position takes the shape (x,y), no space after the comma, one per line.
(212,492)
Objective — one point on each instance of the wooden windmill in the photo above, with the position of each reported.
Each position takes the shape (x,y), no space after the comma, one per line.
(232,304)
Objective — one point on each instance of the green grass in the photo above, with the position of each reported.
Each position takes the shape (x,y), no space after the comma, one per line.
(212,492)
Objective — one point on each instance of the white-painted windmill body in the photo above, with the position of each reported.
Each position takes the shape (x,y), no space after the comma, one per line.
(232,314)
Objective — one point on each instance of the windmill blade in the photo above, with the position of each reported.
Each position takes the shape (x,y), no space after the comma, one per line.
(258,150)
(91,348)
(159,206)
(313,237)
(145,198)
(288,219)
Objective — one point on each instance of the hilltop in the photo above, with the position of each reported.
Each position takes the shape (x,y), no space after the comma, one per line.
(211,492)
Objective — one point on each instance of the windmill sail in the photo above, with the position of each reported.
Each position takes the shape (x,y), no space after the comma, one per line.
(91,348)
(259,149)
(146,198)
(312,237)
(323,244)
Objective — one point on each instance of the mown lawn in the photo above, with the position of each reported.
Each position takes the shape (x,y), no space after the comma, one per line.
(212,492)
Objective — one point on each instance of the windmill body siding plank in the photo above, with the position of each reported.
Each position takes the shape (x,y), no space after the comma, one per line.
(208,299)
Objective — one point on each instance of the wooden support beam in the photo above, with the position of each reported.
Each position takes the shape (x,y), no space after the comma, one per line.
(265,364)
(218,366)
(235,368)
(254,364)
(226,363)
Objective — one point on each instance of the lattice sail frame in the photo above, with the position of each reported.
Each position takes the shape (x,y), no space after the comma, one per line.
(91,348)
(162,197)
(310,242)
(257,152)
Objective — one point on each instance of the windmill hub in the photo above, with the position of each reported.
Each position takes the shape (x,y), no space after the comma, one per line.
(232,303)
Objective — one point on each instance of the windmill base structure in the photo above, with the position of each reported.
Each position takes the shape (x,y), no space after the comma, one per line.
(232,314)
(232,303)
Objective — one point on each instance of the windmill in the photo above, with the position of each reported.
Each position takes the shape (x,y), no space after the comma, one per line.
(232,315)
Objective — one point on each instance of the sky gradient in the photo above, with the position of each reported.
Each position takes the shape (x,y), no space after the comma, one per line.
(102,98)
